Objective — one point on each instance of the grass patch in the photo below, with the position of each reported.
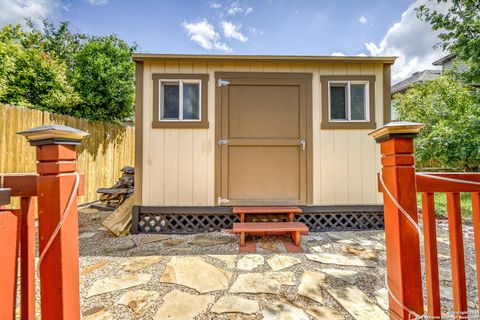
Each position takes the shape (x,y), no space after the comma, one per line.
(441,204)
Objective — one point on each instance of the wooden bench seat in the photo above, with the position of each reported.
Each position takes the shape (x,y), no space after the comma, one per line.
(294,228)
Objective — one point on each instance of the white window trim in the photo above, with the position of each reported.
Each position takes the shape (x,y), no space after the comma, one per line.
(180,99)
(347,100)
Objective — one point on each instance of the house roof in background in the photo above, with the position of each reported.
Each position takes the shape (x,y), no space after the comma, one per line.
(442,60)
(425,75)
(209,57)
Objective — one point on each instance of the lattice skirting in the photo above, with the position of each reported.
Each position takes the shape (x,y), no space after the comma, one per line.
(183,221)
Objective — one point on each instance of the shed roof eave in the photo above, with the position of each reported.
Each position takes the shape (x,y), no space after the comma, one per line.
(279,58)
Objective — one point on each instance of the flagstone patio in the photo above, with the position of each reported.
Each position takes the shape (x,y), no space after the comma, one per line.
(341,275)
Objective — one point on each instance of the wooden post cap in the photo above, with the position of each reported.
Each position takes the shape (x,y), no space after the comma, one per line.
(53,134)
(400,129)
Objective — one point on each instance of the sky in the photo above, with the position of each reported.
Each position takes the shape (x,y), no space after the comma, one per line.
(265,27)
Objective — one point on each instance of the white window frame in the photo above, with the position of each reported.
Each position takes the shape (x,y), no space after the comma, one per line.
(180,99)
(348,106)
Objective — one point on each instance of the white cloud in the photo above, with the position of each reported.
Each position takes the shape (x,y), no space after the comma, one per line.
(215,5)
(235,8)
(231,30)
(412,40)
(204,34)
(362,20)
(97,2)
(337,54)
(16,11)
(255,32)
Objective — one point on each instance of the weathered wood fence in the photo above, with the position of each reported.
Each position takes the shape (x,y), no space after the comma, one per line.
(107,149)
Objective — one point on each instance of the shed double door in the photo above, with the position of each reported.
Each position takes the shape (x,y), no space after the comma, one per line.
(263,124)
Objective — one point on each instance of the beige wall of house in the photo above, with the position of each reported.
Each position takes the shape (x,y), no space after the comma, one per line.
(178,165)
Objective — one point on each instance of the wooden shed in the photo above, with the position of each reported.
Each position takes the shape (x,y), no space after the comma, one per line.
(216,131)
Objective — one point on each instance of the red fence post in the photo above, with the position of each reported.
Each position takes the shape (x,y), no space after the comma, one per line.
(59,276)
(27,257)
(8,257)
(402,240)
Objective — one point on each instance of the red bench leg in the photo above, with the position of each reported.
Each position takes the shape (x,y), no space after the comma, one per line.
(296,238)
(242,239)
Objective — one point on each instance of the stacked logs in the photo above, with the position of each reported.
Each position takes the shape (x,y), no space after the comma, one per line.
(113,197)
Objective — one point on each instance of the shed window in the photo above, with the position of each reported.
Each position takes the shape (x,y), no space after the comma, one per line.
(348,101)
(180,100)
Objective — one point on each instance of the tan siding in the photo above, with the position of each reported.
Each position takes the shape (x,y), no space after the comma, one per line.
(181,162)
(354,158)
(316,168)
(185,164)
(199,151)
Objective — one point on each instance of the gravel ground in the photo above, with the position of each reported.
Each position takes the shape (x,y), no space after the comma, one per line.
(98,245)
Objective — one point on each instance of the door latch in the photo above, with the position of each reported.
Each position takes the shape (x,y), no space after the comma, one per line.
(302,142)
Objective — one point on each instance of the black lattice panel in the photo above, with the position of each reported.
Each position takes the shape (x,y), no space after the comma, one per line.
(184,223)
(342,221)
(195,223)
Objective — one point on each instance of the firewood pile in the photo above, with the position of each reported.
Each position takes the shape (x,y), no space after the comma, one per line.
(113,197)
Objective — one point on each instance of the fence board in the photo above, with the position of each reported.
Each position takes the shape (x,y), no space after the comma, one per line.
(107,149)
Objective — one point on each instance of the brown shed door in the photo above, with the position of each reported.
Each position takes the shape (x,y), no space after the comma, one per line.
(263,131)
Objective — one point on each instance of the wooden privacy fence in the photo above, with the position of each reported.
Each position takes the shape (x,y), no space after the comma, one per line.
(107,149)
(400,183)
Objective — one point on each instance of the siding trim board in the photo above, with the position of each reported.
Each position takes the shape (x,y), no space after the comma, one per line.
(387,93)
(227,210)
(258,58)
(138,130)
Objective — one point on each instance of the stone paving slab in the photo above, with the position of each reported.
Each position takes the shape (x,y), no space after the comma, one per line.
(195,273)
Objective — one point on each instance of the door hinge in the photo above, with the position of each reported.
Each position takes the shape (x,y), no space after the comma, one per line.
(221,142)
(223,82)
(220,200)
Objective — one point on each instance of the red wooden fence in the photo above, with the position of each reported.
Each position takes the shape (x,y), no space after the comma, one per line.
(399,184)
(56,186)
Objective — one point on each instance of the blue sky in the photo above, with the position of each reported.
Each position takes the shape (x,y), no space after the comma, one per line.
(271,27)
(307,27)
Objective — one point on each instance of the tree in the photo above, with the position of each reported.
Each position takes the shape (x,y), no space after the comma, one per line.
(104,76)
(460,31)
(451,113)
(59,41)
(31,77)
(54,69)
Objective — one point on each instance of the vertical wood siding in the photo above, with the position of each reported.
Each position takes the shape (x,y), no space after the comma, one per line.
(102,154)
(179,164)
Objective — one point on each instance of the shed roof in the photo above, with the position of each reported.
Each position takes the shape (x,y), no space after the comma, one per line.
(277,58)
